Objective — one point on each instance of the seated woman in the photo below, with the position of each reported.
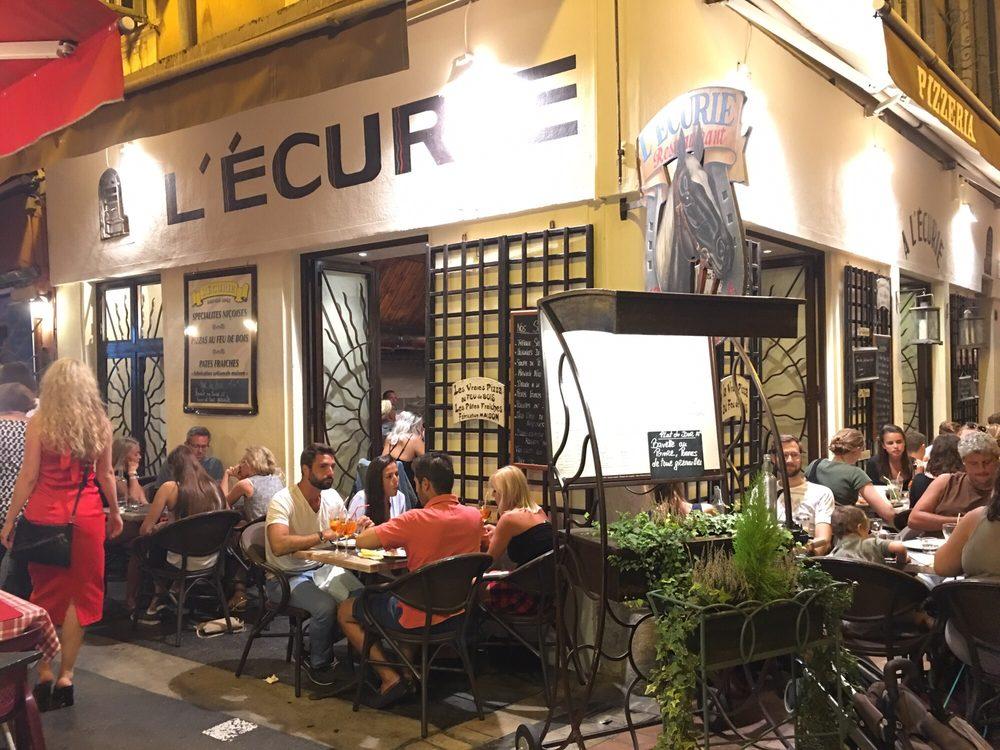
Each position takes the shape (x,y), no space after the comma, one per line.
(406,441)
(381,499)
(845,480)
(188,492)
(943,459)
(522,531)
(951,495)
(891,462)
(254,480)
(125,458)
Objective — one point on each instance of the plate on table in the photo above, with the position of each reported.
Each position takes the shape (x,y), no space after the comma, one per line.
(924,544)
(395,554)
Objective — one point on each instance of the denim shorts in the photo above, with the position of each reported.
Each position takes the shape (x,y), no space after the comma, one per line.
(386,611)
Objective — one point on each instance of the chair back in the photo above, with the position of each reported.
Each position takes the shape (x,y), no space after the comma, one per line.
(880,592)
(537,576)
(198,535)
(252,542)
(444,587)
(27,641)
(970,607)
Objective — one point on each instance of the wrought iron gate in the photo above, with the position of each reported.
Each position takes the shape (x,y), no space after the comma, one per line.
(915,375)
(130,364)
(964,364)
(472,287)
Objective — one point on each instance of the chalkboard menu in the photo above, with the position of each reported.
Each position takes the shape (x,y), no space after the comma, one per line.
(882,410)
(676,454)
(865,359)
(968,388)
(527,392)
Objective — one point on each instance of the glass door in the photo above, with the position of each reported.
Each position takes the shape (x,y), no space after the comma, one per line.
(918,386)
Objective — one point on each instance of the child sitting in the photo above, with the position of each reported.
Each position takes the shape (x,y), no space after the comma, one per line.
(853,542)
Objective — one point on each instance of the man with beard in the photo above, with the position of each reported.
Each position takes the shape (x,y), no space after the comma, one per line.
(812,504)
(298,518)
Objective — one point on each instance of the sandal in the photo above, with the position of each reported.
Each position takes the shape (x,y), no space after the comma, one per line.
(238,603)
(42,693)
(394,694)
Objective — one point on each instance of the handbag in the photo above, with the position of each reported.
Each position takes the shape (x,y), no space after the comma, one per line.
(47,543)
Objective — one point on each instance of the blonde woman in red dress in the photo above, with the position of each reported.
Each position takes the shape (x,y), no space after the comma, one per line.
(68,441)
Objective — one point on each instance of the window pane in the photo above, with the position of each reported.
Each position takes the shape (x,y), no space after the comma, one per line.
(119,389)
(117,314)
(150,311)
(154,428)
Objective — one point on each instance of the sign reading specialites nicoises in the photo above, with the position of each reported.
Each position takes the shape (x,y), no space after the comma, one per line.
(220,341)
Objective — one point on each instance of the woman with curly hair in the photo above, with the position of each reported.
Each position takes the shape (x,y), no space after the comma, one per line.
(67,454)
(254,479)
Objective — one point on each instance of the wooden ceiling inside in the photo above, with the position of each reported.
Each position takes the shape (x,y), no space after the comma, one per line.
(402,296)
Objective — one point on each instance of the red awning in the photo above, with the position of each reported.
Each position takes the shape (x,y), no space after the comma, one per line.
(39,96)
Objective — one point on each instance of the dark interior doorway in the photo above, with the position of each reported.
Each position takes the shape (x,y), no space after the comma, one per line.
(915,365)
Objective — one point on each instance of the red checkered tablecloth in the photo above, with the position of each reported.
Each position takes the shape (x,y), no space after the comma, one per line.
(18,616)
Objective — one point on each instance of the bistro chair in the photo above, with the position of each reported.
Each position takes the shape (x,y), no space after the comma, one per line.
(880,619)
(972,632)
(444,587)
(195,536)
(537,578)
(252,549)
(17,704)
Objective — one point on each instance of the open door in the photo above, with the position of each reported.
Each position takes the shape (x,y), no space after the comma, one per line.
(341,304)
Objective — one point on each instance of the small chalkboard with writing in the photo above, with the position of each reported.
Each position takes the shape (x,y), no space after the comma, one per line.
(968,388)
(528,427)
(676,454)
(883,386)
(865,359)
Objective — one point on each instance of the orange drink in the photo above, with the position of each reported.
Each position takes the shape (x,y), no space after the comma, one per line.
(485,511)
(335,525)
(350,525)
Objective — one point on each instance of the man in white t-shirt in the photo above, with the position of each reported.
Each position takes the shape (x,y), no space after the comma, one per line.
(298,518)
(812,504)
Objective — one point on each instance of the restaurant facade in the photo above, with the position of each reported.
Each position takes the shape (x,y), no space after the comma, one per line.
(267,274)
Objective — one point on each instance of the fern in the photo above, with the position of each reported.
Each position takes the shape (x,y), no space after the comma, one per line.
(760,547)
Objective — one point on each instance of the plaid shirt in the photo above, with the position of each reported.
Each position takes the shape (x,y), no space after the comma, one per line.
(18,616)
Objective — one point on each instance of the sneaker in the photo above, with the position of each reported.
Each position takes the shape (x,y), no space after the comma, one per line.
(322,676)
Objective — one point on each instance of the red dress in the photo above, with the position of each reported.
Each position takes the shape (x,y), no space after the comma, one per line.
(52,501)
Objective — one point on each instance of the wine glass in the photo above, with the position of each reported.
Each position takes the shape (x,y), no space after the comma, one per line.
(947,528)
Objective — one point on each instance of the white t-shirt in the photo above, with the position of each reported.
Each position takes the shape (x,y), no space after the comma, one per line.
(811,504)
(290,507)
(356,509)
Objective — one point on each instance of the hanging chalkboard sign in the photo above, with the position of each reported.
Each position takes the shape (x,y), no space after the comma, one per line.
(968,388)
(883,382)
(865,365)
(527,392)
(676,454)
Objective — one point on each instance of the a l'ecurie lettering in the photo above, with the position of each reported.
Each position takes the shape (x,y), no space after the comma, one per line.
(243,173)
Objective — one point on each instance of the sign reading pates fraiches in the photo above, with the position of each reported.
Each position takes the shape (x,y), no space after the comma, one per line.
(220,342)
(477,398)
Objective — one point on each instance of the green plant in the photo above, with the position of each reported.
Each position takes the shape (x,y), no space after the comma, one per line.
(716,578)
(760,547)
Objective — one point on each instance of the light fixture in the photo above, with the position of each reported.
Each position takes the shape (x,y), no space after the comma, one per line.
(362,254)
(928,320)
(970,329)
(41,311)
(191,330)
(965,213)
(250,324)
(768,251)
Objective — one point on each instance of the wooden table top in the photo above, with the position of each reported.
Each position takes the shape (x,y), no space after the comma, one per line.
(351,560)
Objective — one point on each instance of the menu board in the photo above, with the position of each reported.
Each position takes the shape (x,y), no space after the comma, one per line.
(527,392)
(220,341)
(865,360)
(883,383)
(676,454)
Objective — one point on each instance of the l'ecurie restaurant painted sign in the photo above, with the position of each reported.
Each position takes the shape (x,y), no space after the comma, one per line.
(371,158)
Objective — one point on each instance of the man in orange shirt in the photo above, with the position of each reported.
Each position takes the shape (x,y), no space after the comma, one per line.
(441,528)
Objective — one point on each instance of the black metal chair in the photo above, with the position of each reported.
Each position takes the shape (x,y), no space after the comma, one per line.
(252,549)
(538,579)
(17,703)
(195,536)
(880,620)
(445,587)
(969,607)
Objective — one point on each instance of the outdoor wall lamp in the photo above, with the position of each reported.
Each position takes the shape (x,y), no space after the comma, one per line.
(928,320)
(970,329)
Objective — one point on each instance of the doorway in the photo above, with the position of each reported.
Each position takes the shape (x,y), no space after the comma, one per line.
(792,371)
(364,315)
(915,364)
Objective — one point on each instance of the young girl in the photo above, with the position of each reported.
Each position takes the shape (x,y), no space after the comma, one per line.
(853,542)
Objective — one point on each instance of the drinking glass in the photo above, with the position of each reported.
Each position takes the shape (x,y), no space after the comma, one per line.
(876,526)
(947,528)
(485,511)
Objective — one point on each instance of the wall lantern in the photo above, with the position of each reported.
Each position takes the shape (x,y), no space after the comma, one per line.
(928,320)
(970,329)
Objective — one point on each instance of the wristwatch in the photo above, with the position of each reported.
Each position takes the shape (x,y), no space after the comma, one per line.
(320,535)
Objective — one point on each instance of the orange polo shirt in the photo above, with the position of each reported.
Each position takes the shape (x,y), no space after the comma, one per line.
(442,528)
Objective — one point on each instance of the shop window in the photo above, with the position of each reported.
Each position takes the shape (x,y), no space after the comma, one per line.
(113,221)
(965,351)
(130,364)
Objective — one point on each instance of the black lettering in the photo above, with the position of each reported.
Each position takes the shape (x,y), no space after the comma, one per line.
(173,216)
(403,139)
(373,155)
(551,96)
(279,166)
(230,178)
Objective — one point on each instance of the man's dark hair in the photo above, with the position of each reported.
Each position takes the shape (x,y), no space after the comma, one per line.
(993,418)
(385,394)
(315,449)
(16,397)
(18,372)
(437,468)
(914,440)
(198,431)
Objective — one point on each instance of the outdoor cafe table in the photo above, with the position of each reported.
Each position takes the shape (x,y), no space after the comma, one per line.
(18,616)
(351,560)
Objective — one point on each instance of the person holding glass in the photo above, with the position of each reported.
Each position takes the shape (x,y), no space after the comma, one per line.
(126,455)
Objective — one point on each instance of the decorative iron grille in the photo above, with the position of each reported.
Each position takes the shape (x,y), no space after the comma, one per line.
(915,364)
(130,364)
(964,364)
(866,405)
(472,287)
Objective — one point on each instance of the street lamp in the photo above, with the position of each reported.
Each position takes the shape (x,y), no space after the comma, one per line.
(928,319)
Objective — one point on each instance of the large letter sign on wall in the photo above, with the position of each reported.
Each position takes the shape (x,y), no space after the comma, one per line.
(696,220)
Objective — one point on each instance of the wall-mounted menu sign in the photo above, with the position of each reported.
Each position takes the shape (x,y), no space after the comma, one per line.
(527,392)
(477,398)
(676,454)
(968,388)
(882,413)
(864,360)
(220,341)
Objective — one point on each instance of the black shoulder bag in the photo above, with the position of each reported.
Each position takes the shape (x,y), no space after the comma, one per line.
(48,543)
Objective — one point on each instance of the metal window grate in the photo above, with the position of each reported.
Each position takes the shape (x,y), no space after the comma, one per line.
(964,364)
(472,287)
(866,407)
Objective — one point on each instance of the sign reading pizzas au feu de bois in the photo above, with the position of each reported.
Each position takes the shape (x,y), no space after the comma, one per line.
(220,341)
(478,398)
